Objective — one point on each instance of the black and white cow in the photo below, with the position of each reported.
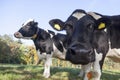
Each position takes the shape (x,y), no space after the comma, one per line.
(113,32)
(88,45)
(68,25)
(47,44)
(88,42)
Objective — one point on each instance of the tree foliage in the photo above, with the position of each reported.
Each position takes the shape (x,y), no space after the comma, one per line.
(4,52)
(9,49)
(12,51)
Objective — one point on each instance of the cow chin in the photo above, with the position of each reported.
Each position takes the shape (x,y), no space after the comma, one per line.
(80,58)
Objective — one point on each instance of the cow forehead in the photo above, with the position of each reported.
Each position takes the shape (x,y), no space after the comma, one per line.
(78,15)
(83,25)
(85,20)
(28,21)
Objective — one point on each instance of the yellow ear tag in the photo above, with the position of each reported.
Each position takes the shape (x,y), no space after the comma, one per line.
(101,26)
(56,26)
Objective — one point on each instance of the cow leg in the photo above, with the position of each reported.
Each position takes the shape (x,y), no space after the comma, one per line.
(47,65)
(86,70)
(81,74)
(97,66)
(39,57)
(48,62)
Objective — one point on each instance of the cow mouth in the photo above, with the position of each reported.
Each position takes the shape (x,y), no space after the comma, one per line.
(76,59)
(20,36)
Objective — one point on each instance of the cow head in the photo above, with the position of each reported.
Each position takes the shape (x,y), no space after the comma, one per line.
(82,42)
(29,30)
(59,25)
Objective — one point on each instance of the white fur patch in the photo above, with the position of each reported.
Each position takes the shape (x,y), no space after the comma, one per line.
(98,56)
(29,20)
(84,70)
(38,53)
(94,15)
(105,30)
(96,65)
(58,54)
(41,56)
(78,15)
(48,62)
(114,51)
(49,33)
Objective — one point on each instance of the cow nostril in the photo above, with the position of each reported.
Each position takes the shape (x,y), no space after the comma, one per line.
(90,52)
(71,51)
(16,33)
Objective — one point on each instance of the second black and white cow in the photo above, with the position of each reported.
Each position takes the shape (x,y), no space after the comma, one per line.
(47,44)
(88,42)
(113,32)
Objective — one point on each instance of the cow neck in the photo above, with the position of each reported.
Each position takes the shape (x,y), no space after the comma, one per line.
(36,34)
(40,34)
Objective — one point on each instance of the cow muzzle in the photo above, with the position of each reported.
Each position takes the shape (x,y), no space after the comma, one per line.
(18,35)
(78,55)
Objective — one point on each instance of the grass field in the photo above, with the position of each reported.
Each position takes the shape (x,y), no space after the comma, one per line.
(31,72)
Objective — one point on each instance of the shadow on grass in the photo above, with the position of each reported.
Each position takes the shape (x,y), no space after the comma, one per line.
(65,73)
(109,75)
(57,73)
(28,72)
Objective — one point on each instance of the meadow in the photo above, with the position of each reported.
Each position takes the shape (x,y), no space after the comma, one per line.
(17,63)
(33,72)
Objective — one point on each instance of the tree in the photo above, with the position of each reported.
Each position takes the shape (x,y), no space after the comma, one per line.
(4,52)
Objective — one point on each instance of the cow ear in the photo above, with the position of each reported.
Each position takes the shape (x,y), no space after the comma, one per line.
(57,24)
(35,24)
(102,23)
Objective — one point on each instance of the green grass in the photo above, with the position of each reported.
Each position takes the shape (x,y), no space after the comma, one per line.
(31,72)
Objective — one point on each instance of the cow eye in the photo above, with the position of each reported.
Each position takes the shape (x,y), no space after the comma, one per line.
(90,26)
(27,26)
(68,26)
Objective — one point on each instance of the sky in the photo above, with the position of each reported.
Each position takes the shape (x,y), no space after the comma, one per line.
(13,13)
